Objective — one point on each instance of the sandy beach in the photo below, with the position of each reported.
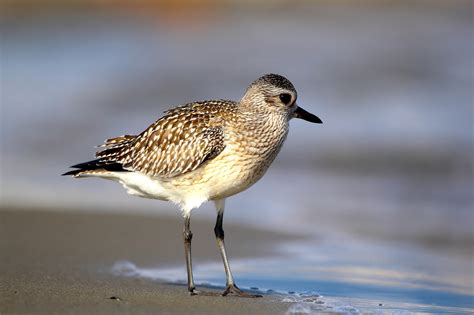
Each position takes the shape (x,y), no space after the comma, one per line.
(58,262)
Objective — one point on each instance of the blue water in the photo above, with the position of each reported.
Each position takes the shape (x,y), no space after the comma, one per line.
(322,291)
(343,289)
(340,274)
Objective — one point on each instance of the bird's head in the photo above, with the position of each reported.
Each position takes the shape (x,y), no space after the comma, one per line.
(276,93)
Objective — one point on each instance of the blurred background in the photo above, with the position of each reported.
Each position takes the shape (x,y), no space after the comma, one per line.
(392,81)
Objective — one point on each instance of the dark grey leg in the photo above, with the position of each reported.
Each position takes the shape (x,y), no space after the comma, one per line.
(188,236)
(219,231)
(231,288)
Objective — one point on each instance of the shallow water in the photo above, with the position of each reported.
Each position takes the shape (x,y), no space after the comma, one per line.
(342,277)
(383,189)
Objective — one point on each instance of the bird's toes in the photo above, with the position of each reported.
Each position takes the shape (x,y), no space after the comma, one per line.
(194,292)
(233,290)
(203,293)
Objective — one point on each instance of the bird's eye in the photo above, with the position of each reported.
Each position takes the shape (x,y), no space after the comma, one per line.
(285,98)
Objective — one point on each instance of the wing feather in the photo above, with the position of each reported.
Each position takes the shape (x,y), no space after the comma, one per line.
(177,143)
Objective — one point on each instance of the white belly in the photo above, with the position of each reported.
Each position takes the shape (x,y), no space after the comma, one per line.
(138,184)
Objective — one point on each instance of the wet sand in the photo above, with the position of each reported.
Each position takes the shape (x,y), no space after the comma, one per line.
(58,262)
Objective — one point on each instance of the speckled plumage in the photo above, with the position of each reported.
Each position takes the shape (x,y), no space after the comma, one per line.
(175,144)
(202,151)
(197,152)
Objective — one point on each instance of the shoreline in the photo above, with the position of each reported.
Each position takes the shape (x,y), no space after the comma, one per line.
(59,262)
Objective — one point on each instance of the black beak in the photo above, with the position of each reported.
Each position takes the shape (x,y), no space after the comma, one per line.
(301,113)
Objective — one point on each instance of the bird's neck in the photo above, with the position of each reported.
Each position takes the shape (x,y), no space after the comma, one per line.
(262,116)
(267,127)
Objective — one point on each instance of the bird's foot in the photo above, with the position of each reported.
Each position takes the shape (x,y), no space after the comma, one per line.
(193,291)
(233,290)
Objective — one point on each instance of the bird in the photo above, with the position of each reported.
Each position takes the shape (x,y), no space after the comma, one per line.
(203,151)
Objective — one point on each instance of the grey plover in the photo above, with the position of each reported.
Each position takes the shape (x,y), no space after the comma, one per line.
(202,151)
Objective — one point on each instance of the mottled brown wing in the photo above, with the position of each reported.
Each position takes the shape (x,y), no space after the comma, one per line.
(176,144)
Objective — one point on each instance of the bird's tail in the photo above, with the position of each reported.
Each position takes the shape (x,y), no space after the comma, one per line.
(108,158)
(95,167)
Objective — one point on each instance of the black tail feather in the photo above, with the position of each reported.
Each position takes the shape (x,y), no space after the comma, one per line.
(72,173)
(99,164)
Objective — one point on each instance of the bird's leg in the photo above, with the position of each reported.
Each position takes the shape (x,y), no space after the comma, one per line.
(188,236)
(231,287)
